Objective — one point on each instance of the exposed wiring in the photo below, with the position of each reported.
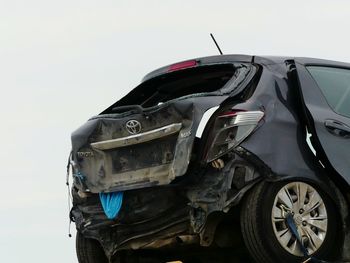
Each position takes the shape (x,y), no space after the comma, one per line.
(69,194)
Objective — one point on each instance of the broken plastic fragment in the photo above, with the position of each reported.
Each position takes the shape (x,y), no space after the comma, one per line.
(111,203)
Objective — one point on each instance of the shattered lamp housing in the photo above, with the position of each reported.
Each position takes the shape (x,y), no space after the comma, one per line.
(230,129)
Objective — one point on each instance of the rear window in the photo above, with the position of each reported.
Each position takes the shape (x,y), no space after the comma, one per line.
(169,86)
(335,86)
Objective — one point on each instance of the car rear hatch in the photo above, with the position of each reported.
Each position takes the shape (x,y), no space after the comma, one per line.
(146,138)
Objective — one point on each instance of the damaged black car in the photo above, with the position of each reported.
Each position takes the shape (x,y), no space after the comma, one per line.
(214,154)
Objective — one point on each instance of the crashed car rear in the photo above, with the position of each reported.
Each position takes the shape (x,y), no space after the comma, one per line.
(203,142)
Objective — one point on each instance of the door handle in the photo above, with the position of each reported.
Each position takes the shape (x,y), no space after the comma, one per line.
(337,128)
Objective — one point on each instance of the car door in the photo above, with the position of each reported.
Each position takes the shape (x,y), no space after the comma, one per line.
(325,89)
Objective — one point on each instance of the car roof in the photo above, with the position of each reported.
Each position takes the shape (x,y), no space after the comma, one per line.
(263,60)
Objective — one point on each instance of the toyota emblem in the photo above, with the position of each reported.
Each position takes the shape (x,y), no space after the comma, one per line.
(133,126)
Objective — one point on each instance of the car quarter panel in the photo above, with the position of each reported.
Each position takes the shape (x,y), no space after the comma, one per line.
(280,141)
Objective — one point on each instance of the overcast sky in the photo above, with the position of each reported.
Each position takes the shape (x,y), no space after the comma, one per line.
(64,61)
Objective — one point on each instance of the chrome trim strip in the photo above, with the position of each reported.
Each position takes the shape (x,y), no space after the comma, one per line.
(137,138)
(205,118)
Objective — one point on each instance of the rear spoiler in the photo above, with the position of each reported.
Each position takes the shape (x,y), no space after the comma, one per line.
(198,62)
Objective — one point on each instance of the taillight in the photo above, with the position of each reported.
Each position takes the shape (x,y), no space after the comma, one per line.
(183,65)
(230,129)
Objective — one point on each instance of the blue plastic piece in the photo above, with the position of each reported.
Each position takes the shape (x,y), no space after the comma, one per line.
(111,203)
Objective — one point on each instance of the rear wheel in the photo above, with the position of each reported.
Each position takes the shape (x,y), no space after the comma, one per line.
(266,233)
(89,250)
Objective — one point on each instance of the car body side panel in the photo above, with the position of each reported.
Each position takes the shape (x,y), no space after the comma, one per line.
(336,148)
(280,141)
(279,146)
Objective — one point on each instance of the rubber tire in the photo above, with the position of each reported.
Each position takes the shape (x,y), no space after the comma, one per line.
(89,250)
(258,232)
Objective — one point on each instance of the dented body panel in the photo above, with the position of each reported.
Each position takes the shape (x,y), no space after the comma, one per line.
(147,161)
(171,189)
(108,157)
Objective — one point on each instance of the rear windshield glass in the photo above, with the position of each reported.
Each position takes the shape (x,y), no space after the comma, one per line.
(177,84)
(335,86)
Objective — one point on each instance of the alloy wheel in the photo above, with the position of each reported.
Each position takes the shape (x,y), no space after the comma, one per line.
(309,213)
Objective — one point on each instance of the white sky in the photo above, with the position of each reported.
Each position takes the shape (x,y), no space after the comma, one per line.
(64,61)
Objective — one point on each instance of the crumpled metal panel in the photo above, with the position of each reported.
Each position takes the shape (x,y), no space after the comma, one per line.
(156,162)
(277,150)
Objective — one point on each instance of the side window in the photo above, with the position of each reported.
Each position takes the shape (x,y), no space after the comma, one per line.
(335,86)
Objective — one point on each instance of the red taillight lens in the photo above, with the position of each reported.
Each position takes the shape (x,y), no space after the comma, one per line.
(183,65)
(230,129)
(229,114)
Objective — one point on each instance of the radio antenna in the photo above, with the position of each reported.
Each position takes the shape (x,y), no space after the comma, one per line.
(216,44)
